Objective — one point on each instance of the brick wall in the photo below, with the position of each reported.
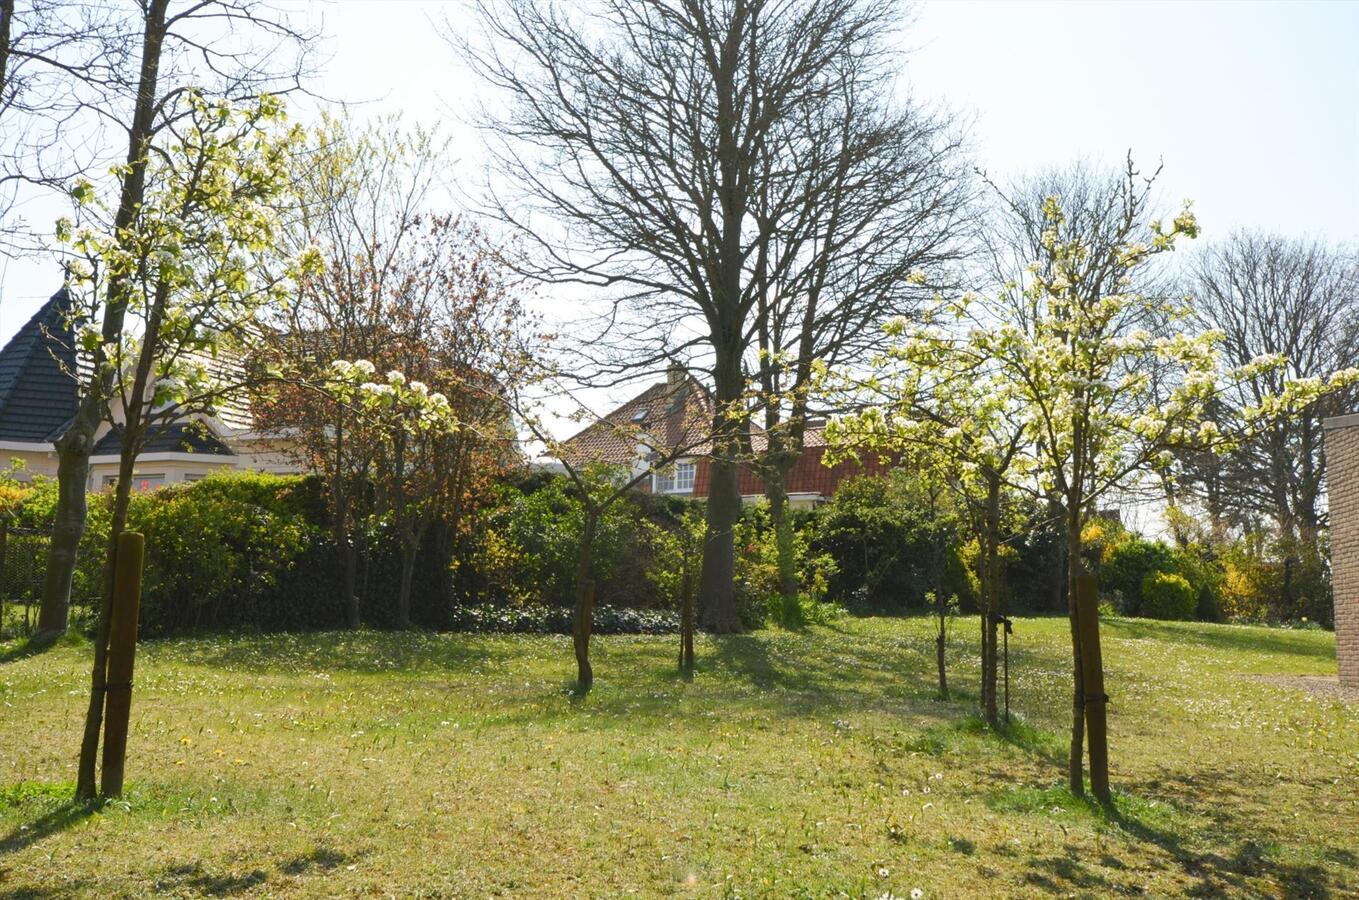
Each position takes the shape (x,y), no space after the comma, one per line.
(1342,476)
(808,475)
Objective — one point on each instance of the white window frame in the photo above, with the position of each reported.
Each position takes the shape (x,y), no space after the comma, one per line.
(675,479)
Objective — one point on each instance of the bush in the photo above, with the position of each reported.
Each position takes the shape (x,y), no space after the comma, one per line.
(758,600)
(527,545)
(880,538)
(1127,566)
(1168,596)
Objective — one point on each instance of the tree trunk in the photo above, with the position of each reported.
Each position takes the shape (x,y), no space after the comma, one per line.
(583,620)
(718,578)
(349,553)
(6,37)
(784,539)
(939,646)
(686,658)
(1076,760)
(94,712)
(75,444)
(68,524)
(991,595)
(403,597)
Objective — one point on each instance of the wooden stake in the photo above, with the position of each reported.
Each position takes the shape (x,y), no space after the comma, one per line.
(127,596)
(686,657)
(1092,671)
(4,547)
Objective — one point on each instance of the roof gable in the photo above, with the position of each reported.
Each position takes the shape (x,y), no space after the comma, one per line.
(38,390)
(674,414)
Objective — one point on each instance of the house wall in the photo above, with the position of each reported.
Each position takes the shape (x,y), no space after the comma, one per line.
(32,462)
(159,472)
(1342,476)
(158,468)
(809,479)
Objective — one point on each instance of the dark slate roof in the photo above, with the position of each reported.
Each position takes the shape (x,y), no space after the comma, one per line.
(174,438)
(37,375)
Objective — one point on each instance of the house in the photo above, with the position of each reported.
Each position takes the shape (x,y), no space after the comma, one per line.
(678,413)
(39,393)
(1342,457)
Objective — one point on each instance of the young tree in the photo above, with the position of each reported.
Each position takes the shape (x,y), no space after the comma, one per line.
(1085,373)
(193,275)
(677,156)
(362,203)
(177,61)
(655,451)
(943,412)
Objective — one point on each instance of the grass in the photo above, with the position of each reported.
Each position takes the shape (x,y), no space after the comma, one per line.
(814,763)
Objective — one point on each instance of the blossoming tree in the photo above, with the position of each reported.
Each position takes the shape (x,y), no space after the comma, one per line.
(192,272)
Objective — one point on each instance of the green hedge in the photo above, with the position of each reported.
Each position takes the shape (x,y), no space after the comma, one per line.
(1168,596)
(256,552)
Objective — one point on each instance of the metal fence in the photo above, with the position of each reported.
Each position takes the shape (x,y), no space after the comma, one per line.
(23,565)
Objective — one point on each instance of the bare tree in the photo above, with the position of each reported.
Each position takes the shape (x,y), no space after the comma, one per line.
(53,58)
(1268,295)
(651,153)
(232,50)
(874,220)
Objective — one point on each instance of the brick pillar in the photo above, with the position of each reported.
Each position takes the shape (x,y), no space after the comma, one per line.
(1342,477)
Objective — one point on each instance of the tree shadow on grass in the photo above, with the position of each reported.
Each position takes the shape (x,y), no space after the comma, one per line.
(199,879)
(66,814)
(1225,637)
(67,888)
(813,677)
(365,652)
(1227,870)
(1215,794)
(21,649)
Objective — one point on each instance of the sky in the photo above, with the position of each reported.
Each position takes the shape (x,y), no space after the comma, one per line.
(1252,107)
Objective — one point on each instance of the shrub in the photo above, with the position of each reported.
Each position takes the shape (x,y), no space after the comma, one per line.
(1168,596)
(527,545)
(1127,566)
(880,537)
(757,569)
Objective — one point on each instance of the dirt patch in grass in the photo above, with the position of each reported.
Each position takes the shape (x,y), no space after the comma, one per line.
(1327,686)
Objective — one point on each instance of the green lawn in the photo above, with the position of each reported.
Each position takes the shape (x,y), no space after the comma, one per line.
(794,764)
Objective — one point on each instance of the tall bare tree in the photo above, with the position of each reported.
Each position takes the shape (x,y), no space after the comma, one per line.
(874,220)
(1269,294)
(648,151)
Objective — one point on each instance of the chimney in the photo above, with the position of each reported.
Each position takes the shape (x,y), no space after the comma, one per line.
(674,376)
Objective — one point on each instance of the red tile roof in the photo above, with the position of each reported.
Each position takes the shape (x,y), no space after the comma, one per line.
(674,413)
(678,412)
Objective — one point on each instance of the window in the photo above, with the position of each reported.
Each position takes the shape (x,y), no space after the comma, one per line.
(194,476)
(147,482)
(678,479)
(684,478)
